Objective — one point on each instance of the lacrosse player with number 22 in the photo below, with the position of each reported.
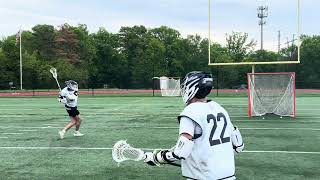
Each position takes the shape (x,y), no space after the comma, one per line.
(69,97)
(207,139)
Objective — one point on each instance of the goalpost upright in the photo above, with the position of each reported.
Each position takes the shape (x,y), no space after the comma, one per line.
(288,78)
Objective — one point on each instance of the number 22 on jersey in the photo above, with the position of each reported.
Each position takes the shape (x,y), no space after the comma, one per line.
(212,119)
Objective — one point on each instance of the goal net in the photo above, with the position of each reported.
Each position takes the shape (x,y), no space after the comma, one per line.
(272,93)
(170,86)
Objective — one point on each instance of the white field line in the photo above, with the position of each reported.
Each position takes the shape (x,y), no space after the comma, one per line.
(246,116)
(132,114)
(223,102)
(11,133)
(147,149)
(232,103)
(311,120)
(234,115)
(50,124)
(161,127)
(25,127)
(27,130)
(62,114)
(82,115)
(166,117)
(258,120)
(293,119)
(238,120)
(283,152)
(253,121)
(232,120)
(14,115)
(167,127)
(275,121)
(307,129)
(54,148)
(135,107)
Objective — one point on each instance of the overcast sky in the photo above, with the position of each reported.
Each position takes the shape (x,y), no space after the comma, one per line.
(187,16)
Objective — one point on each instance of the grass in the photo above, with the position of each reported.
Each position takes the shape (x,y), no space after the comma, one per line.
(35,122)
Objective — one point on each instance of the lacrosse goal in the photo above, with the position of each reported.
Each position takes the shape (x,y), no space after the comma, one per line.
(170,86)
(271,93)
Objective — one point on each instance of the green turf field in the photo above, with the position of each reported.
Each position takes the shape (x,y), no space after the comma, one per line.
(275,148)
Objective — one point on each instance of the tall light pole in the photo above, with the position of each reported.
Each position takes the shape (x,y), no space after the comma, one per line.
(279,43)
(209,31)
(262,14)
(19,40)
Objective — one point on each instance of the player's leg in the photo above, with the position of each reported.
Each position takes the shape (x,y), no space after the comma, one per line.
(67,127)
(76,116)
(78,124)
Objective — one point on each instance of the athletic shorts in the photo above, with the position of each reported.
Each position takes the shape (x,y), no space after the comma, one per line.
(72,111)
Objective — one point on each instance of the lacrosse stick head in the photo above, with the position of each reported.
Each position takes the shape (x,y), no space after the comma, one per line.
(122,151)
(53,71)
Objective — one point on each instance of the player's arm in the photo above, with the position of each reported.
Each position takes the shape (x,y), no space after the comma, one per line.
(236,138)
(237,141)
(181,150)
(62,97)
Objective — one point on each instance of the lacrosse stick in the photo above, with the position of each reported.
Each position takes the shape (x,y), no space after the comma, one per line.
(53,71)
(122,151)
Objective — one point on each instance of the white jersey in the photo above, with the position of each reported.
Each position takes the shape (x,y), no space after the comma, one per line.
(212,156)
(70,96)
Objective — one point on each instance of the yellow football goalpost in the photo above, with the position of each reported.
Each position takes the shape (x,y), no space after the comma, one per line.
(264,82)
(253,63)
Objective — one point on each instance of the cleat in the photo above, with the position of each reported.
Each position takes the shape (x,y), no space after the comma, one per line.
(77,134)
(61,134)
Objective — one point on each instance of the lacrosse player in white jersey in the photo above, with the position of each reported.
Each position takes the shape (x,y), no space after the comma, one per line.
(69,97)
(207,139)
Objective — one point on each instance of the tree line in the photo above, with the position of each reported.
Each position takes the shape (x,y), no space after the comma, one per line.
(131,57)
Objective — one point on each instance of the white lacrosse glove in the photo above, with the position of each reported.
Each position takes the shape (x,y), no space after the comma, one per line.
(237,141)
(62,100)
(158,157)
(150,159)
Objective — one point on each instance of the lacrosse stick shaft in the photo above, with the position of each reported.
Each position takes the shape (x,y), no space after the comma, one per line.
(58,83)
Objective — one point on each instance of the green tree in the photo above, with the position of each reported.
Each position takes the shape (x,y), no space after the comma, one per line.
(308,71)
(10,61)
(239,46)
(170,64)
(133,42)
(43,41)
(108,65)
(67,45)
(151,64)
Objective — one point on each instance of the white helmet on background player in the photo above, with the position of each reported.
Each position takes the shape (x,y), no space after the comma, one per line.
(73,85)
(196,84)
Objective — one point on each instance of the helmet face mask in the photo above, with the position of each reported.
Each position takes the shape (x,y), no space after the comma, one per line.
(196,84)
(188,89)
(73,85)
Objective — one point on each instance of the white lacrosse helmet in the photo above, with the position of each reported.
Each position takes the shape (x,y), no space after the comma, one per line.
(196,84)
(73,85)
